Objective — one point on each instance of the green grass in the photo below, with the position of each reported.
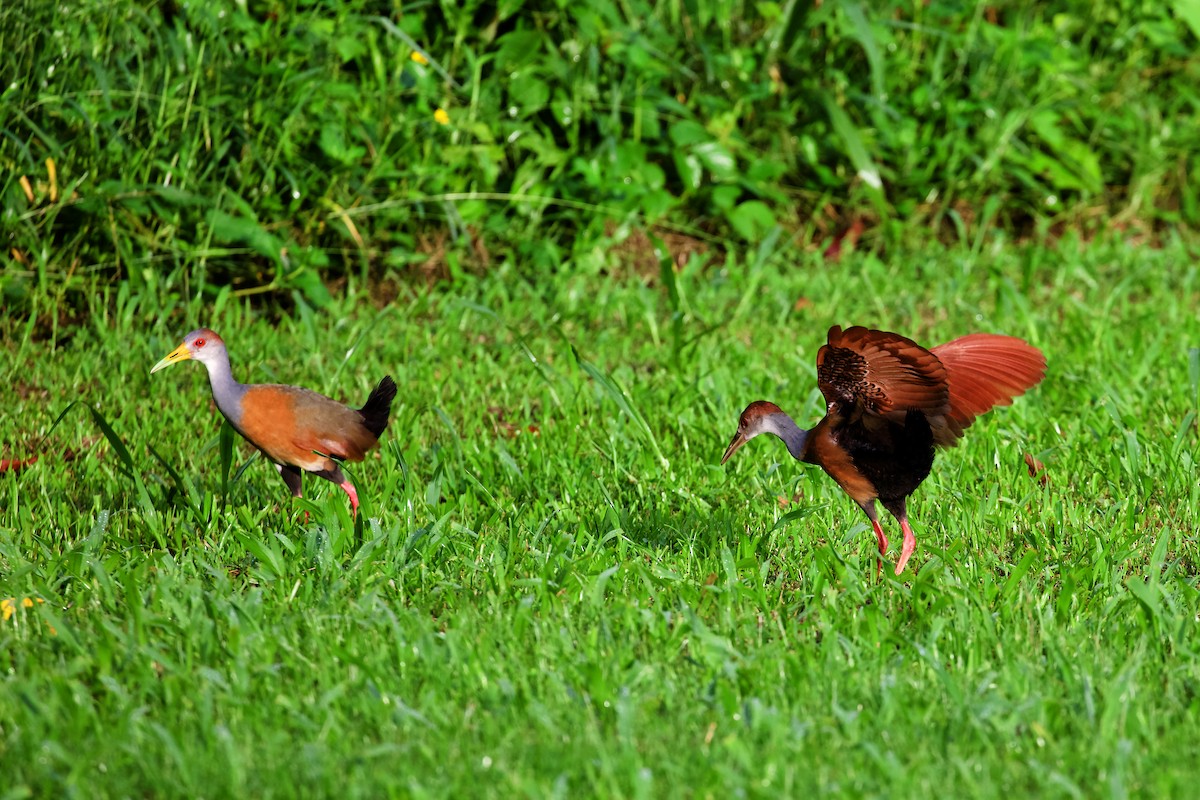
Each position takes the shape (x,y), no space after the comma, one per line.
(278,147)
(556,590)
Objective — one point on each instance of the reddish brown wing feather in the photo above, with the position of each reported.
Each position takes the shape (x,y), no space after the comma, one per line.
(288,423)
(329,427)
(884,373)
(984,370)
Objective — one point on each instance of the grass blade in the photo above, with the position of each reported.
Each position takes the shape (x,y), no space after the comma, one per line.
(619,396)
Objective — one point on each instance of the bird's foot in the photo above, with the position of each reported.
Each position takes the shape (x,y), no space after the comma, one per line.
(906,549)
(348,488)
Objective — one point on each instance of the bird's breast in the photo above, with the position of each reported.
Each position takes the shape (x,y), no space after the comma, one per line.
(838,462)
(893,457)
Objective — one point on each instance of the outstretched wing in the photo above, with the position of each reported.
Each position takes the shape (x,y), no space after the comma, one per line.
(984,370)
(876,372)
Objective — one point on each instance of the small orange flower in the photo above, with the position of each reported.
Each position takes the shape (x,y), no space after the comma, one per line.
(441,117)
(419,57)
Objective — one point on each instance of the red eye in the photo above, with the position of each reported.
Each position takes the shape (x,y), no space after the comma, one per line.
(198,343)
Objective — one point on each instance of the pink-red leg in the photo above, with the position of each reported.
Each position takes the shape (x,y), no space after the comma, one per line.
(869,509)
(881,537)
(883,545)
(348,488)
(906,549)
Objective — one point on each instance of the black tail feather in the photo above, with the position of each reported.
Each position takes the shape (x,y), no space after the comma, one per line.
(378,406)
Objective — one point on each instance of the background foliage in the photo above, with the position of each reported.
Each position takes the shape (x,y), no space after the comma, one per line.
(277,144)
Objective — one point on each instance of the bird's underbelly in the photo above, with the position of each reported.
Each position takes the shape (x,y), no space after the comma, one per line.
(896,475)
(893,460)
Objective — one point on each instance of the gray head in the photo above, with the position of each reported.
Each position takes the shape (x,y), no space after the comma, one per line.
(759,417)
(202,345)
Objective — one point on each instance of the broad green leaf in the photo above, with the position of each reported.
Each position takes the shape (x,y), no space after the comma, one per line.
(866,169)
(718,160)
(1189,12)
(229,229)
(751,219)
(688,132)
(690,170)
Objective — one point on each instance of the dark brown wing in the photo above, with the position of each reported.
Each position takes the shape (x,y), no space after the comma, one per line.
(881,373)
(984,370)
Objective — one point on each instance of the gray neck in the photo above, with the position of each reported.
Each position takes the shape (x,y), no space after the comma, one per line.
(795,437)
(225,390)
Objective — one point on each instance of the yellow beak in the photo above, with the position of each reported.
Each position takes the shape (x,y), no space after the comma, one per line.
(180,353)
(738,441)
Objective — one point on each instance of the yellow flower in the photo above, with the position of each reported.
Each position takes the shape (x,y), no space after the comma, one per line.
(419,57)
(8,606)
(441,117)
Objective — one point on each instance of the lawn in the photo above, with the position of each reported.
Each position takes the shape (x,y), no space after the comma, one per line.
(582,237)
(556,591)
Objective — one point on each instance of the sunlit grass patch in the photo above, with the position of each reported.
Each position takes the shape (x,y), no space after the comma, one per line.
(552,582)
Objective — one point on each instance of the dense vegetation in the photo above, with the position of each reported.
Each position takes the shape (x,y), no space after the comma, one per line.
(273,144)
